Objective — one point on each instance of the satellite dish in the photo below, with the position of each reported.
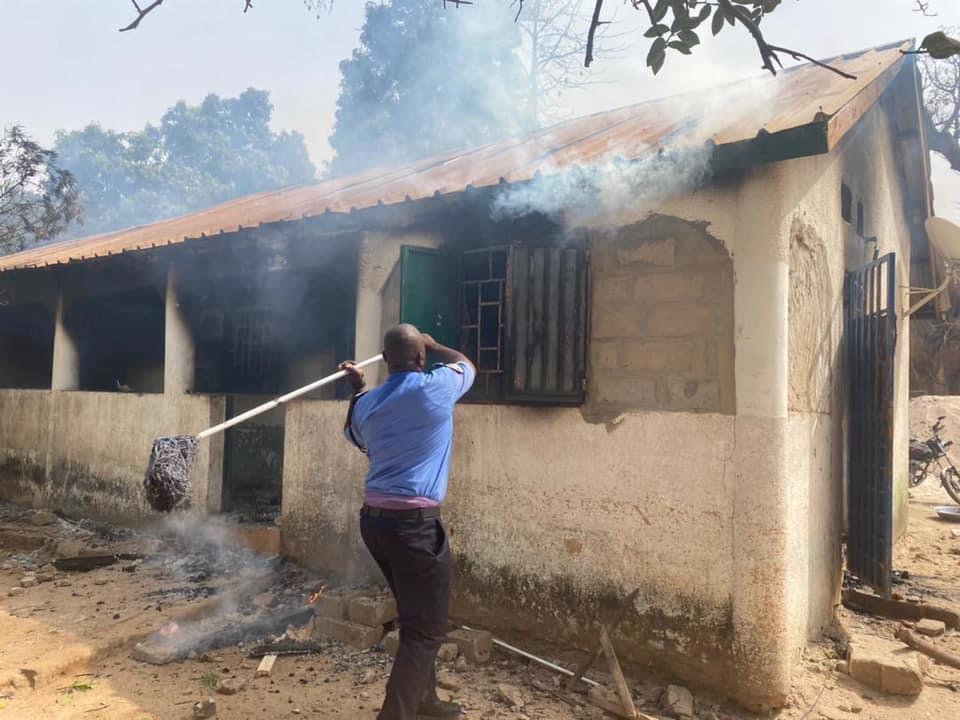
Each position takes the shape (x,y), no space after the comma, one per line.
(945,237)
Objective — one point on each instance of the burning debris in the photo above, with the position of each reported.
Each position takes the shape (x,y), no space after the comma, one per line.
(168,473)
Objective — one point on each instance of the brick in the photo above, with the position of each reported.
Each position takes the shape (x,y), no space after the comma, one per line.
(359,637)
(332,606)
(373,611)
(682,319)
(896,675)
(448,652)
(476,645)
(931,628)
(266,665)
(673,355)
(659,253)
(391,643)
(668,287)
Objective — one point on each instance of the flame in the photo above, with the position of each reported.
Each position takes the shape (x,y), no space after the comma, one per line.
(314,596)
(169,630)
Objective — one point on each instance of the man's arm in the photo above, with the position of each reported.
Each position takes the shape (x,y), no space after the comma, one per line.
(446,354)
(357,380)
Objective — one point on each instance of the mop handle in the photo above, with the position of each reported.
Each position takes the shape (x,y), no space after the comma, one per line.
(237,419)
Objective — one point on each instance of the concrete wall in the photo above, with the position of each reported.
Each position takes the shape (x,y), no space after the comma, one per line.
(86,453)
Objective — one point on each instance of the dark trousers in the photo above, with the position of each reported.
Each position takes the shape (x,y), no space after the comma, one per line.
(414,556)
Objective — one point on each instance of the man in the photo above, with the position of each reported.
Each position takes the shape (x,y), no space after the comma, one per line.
(406,428)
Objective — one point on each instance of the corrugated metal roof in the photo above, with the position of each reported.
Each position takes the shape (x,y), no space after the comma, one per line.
(738,113)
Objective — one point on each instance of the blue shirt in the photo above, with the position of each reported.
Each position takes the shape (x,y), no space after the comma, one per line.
(406,424)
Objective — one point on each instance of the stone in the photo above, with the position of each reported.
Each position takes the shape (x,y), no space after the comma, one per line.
(448,681)
(510,696)
(373,611)
(475,645)
(461,664)
(677,702)
(205,708)
(14,591)
(892,674)
(29,581)
(332,606)
(45,576)
(155,654)
(391,643)
(231,686)
(931,628)
(448,652)
(354,635)
(842,667)
(42,517)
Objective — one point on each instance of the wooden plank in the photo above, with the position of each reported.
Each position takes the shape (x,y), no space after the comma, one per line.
(266,665)
(851,113)
(876,605)
(619,681)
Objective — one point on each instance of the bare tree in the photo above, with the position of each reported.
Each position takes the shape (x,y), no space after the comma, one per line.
(38,200)
(554,37)
(941,97)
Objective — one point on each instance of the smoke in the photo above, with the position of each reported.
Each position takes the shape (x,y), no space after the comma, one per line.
(611,186)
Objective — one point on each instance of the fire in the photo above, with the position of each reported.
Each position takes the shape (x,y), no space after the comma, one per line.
(169,630)
(314,596)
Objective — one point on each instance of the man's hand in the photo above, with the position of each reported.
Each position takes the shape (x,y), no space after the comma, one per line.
(355,376)
(429,343)
(444,353)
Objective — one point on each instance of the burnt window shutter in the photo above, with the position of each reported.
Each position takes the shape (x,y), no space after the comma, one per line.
(428,293)
(546,331)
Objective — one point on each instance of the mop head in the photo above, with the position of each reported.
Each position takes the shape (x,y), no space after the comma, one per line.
(168,473)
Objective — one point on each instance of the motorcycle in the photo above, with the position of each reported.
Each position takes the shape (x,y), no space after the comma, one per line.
(930,455)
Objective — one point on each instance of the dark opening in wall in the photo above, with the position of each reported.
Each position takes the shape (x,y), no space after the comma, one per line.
(846,203)
(861,220)
(119,338)
(270,333)
(26,346)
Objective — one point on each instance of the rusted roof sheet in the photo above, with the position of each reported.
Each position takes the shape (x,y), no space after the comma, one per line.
(747,111)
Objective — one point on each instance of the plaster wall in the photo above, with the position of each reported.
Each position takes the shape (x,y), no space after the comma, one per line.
(85,453)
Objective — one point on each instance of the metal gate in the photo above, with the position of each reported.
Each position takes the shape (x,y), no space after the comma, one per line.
(871,339)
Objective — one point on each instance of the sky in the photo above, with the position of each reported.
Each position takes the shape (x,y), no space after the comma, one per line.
(74,68)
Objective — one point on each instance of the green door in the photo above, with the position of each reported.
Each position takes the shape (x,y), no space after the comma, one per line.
(428,293)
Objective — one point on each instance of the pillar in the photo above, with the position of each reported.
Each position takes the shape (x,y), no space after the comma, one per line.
(66,359)
(179,350)
(762,623)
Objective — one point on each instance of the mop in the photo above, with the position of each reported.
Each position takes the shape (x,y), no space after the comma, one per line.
(167,482)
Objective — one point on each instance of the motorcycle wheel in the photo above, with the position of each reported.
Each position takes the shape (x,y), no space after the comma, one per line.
(950,479)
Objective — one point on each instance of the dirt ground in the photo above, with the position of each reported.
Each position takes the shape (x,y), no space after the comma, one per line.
(65,644)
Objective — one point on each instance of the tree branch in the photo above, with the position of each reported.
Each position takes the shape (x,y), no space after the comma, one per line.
(800,56)
(592,32)
(942,142)
(141,13)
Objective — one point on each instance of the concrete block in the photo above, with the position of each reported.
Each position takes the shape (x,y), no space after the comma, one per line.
(696,395)
(682,320)
(677,702)
(606,355)
(391,643)
(358,637)
(332,606)
(625,391)
(892,674)
(668,287)
(663,355)
(659,253)
(475,645)
(155,654)
(373,611)
(448,652)
(931,628)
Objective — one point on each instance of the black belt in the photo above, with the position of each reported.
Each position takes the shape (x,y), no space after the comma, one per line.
(427,513)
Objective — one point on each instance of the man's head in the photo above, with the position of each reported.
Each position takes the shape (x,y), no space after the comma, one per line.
(404,349)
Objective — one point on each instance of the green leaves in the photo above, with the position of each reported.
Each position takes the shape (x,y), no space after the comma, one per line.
(940,46)
(674,23)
